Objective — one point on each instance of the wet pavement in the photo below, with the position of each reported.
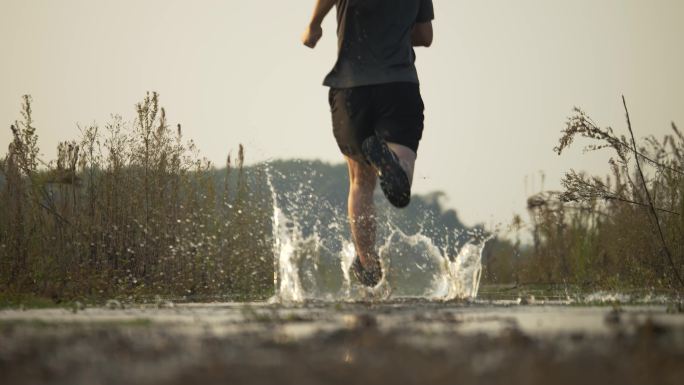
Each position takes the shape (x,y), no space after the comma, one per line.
(407,342)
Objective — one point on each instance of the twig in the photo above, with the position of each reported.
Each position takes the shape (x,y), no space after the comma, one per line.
(652,161)
(608,195)
(650,200)
(617,198)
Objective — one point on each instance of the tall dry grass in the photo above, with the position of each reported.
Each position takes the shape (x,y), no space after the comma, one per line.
(622,230)
(130,209)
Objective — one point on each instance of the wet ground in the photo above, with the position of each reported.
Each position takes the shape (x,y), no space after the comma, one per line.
(402,342)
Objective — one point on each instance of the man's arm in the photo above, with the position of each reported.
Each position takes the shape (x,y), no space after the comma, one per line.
(314,31)
(422,31)
(422,34)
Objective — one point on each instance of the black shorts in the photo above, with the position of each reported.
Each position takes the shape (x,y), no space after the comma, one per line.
(393,111)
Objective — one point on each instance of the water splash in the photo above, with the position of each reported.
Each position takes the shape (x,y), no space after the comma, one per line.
(312,258)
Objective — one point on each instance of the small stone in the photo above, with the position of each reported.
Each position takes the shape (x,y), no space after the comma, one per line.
(650,330)
(361,321)
(515,337)
(163,303)
(113,304)
(613,317)
(76,307)
(675,308)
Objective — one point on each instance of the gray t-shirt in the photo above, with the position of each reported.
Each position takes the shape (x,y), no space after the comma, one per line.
(374,41)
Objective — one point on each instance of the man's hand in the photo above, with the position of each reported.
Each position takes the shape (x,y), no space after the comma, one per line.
(312,35)
(314,32)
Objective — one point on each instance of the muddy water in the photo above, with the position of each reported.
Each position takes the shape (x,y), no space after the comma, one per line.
(408,341)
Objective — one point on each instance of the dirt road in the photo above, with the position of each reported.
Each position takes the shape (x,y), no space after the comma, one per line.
(408,342)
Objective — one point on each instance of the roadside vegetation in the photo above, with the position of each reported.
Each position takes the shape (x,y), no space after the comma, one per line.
(131,210)
(621,231)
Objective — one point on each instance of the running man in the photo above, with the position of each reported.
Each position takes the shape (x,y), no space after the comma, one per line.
(377,110)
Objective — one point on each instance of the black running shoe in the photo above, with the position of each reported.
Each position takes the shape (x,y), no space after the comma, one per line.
(393,179)
(368,277)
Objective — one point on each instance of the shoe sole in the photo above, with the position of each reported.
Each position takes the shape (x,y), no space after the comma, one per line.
(393,179)
(367,278)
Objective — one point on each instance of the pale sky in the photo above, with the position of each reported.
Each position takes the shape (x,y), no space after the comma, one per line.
(498,83)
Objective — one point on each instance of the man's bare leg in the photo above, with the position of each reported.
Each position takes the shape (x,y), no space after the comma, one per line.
(362,181)
(406,156)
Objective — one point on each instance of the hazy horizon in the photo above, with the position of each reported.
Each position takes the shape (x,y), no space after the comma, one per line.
(498,83)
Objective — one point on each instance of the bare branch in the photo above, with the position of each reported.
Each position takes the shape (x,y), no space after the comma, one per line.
(653,210)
